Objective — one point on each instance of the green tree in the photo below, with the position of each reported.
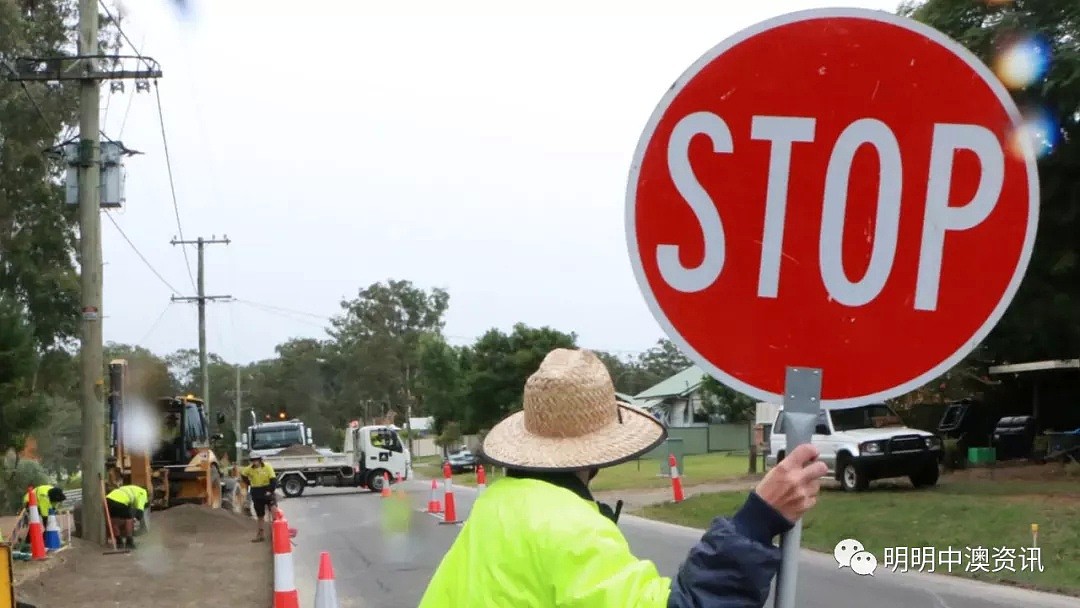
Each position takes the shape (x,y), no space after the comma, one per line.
(499,365)
(58,438)
(441,380)
(449,437)
(627,373)
(37,235)
(377,341)
(21,411)
(148,376)
(663,361)
(721,400)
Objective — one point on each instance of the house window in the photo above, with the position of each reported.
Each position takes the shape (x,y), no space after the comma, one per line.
(686,412)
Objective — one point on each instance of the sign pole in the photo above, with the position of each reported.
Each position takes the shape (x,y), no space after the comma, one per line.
(802,402)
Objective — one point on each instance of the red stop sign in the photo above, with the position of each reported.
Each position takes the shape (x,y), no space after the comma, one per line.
(838,189)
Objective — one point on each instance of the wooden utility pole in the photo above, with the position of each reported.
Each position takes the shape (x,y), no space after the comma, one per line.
(92,364)
(201,299)
(238,401)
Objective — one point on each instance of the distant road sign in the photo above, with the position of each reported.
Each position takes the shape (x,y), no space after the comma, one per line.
(839,189)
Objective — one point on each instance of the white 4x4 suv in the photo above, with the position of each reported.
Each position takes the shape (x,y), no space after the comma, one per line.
(862,444)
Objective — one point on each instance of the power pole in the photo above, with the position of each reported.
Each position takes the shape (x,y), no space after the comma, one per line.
(86,68)
(202,299)
(92,361)
(238,401)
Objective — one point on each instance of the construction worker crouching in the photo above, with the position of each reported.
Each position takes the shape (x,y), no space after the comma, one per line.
(48,498)
(261,482)
(126,504)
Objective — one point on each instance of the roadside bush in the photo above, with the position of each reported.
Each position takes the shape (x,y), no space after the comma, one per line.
(1072,469)
(954,457)
(13,483)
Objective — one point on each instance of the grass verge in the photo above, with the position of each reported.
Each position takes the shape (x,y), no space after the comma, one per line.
(633,475)
(955,515)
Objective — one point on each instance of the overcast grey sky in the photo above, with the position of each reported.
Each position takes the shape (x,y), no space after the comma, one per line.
(465,145)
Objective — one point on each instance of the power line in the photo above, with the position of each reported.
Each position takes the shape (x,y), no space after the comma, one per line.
(156,323)
(139,253)
(274,310)
(172,184)
(138,53)
(118,28)
(281,311)
(40,112)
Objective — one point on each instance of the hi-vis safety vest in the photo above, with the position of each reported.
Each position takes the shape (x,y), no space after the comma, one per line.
(530,543)
(44,504)
(258,477)
(131,496)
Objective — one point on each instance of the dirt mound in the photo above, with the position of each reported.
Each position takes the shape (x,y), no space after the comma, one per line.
(299,450)
(195,519)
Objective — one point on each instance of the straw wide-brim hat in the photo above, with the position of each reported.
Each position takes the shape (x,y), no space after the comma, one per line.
(571,420)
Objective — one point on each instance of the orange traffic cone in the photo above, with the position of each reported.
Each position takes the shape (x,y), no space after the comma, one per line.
(37,531)
(386,485)
(676,482)
(325,589)
(481,479)
(285,594)
(433,505)
(450,517)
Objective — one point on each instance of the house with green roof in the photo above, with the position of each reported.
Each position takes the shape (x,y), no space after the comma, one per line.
(676,401)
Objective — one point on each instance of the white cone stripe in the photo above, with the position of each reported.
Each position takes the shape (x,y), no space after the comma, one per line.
(284,577)
(53,525)
(326,595)
(35,517)
(674,472)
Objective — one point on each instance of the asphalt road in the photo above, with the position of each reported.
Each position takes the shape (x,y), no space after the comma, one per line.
(376,569)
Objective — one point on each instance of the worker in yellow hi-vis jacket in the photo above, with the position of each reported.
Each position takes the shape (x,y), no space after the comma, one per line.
(261,482)
(126,504)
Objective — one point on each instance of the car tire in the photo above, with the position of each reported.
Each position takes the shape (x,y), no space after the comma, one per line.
(927,477)
(852,478)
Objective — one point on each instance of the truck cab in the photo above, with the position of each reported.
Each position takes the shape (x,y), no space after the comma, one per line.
(379,450)
(866,443)
(270,438)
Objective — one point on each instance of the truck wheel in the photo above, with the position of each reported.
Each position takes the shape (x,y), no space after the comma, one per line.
(852,479)
(376,481)
(293,486)
(927,477)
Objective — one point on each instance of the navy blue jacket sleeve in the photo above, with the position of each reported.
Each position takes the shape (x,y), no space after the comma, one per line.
(734,563)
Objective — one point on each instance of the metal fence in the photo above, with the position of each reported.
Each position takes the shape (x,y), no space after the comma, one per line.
(72,498)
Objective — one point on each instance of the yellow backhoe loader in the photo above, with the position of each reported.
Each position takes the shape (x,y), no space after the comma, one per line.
(181,468)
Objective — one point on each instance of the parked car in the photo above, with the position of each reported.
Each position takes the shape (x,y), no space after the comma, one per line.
(863,444)
(461,461)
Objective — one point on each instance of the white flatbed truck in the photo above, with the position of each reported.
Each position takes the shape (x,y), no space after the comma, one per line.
(370,455)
